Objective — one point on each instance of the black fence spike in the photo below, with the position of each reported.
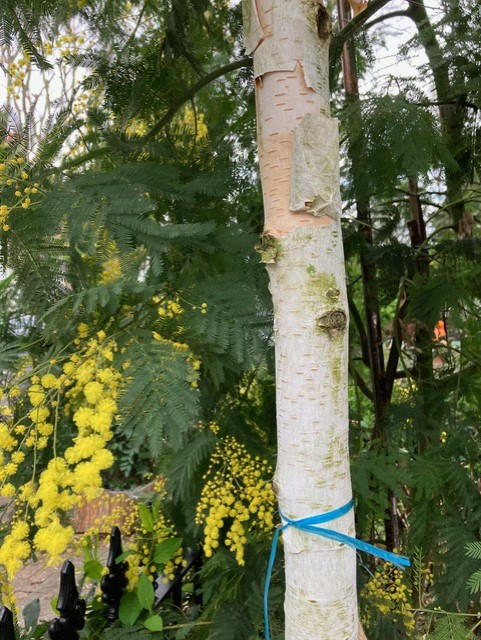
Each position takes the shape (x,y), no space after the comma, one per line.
(7,627)
(173,588)
(71,607)
(113,584)
(197,566)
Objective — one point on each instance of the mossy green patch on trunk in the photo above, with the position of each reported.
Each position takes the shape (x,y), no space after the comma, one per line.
(269,248)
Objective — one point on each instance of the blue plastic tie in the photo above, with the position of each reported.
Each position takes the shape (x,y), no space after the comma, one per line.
(309,525)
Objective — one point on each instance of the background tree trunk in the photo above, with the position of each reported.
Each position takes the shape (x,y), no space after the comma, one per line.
(302,245)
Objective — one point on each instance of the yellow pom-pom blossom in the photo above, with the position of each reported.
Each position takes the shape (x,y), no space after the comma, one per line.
(53,538)
(6,589)
(141,561)
(141,538)
(168,308)
(78,473)
(84,394)
(83,330)
(13,178)
(236,498)
(48,381)
(389,593)
(111,270)
(192,123)
(15,548)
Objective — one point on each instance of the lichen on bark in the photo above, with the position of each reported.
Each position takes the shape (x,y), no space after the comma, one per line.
(269,248)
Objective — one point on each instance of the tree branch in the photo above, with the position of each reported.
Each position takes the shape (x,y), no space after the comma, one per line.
(452,101)
(191,91)
(359,380)
(356,317)
(394,351)
(353,25)
(387,16)
(86,157)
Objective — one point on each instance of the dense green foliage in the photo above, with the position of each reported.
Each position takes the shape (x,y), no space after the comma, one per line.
(154,178)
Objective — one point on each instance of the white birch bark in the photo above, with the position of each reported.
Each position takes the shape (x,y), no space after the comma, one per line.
(302,244)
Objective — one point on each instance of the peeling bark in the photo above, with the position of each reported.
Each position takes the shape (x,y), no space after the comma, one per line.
(315,168)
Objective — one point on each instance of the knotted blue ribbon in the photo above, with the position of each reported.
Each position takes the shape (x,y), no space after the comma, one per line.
(309,525)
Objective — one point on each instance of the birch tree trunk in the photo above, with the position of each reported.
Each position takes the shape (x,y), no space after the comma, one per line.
(302,246)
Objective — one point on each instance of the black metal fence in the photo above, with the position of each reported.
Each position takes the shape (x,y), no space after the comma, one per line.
(72,608)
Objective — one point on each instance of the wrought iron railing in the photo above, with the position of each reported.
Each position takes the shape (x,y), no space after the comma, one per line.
(72,608)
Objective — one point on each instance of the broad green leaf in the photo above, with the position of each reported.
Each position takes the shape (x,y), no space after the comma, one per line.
(53,604)
(129,609)
(154,623)
(88,549)
(96,604)
(93,569)
(40,631)
(124,555)
(166,549)
(146,518)
(145,592)
(31,613)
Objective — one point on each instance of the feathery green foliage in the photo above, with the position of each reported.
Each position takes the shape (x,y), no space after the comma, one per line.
(399,139)
(158,404)
(450,628)
(19,21)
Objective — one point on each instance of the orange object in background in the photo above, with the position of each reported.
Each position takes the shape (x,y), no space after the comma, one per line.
(357,6)
(440,331)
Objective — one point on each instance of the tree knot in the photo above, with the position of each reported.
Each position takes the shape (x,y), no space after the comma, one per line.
(334,320)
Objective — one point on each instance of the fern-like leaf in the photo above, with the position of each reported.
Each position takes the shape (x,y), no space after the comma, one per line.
(19,19)
(474,582)
(71,306)
(122,633)
(9,354)
(374,473)
(230,621)
(450,628)
(184,470)
(473,550)
(159,404)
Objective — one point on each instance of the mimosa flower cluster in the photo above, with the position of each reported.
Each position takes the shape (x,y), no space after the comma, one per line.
(142,557)
(143,529)
(17,74)
(83,392)
(16,189)
(111,270)
(389,593)
(6,589)
(192,124)
(237,497)
(168,309)
(69,43)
